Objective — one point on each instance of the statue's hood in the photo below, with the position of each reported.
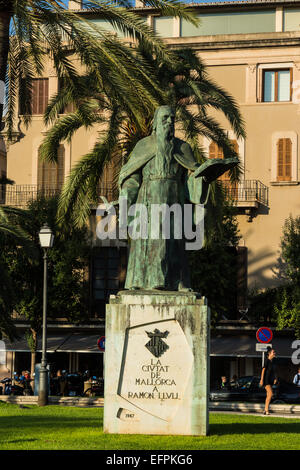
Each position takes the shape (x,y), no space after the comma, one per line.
(146,149)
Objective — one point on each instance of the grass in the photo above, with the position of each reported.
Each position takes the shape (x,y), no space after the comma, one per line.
(66,428)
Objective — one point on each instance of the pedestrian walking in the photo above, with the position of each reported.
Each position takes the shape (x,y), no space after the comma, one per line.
(268,377)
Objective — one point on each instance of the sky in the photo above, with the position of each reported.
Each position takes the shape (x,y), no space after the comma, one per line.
(192,1)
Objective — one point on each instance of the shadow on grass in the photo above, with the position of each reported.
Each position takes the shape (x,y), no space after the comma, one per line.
(16,441)
(49,422)
(254,428)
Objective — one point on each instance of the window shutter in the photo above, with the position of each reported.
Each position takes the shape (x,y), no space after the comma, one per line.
(39,95)
(217,152)
(284,159)
(60,166)
(34,97)
(288,159)
(214,150)
(226,176)
(51,175)
(70,108)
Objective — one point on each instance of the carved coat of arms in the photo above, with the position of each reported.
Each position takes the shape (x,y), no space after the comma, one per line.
(156,345)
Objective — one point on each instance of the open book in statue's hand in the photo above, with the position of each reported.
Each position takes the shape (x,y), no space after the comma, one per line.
(215,167)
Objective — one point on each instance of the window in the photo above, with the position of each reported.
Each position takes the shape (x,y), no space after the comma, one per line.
(105,273)
(70,108)
(51,175)
(277,85)
(284,159)
(39,95)
(216,152)
(284,162)
(105,277)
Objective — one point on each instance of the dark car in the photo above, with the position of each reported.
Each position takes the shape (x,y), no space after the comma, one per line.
(286,393)
(248,389)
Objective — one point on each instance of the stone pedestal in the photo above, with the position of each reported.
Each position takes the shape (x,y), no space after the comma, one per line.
(157,363)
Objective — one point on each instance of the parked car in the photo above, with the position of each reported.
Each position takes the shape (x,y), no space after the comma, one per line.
(287,393)
(247,389)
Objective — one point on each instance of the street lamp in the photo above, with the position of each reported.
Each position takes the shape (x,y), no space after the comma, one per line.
(46,241)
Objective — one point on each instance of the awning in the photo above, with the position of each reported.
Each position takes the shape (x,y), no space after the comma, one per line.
(78,342)
(71,342)
(245,346)
(222,345)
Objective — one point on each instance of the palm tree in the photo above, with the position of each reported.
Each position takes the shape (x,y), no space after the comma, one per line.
(184,83)
(33,30)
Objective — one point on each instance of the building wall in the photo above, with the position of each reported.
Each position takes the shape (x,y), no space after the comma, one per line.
(236,45)
(231,23)
(291,18)
(265,123)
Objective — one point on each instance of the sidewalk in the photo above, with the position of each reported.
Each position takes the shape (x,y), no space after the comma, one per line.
(292,411)
(63,401)
(250,408)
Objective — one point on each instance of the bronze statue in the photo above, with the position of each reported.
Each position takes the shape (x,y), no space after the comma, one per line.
(162,170)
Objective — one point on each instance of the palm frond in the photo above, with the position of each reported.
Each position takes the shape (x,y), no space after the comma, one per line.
(80,189)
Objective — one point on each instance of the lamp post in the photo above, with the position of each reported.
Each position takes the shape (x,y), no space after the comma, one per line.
(46,241)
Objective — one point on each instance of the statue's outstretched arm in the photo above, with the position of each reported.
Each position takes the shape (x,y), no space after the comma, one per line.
(197,189)
(212,169)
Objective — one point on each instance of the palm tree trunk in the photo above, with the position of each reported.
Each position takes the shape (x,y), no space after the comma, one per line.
(33,355)
(32,367)
(5,17)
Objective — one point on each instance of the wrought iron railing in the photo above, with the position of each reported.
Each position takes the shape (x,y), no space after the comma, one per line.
(21,195)
(247,191)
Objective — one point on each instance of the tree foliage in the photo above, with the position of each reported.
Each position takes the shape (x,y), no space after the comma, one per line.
(10,233)
(214,267)
(68,291)
(281,305)
(288,309)
(32,31)
(183,83)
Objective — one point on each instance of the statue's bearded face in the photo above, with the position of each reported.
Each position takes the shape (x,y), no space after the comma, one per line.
(166,122)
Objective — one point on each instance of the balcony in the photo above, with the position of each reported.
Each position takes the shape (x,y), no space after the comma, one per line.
(248,196)
(22,195)
(247,193)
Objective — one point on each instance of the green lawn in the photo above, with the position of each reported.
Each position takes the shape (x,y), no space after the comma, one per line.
(57,427)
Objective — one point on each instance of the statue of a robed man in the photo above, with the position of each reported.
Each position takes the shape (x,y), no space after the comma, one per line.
(162,170)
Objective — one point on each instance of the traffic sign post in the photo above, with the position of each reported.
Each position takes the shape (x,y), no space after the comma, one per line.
(262,347)
(101,346)
(263,335)
(101,343)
